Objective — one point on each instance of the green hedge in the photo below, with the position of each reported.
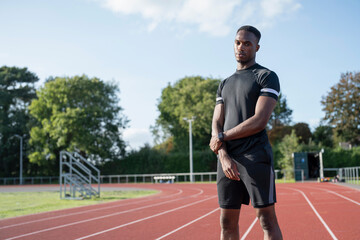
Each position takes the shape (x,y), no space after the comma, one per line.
(149,160)
(337,158)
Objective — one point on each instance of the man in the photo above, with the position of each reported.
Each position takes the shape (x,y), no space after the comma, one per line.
(243,107)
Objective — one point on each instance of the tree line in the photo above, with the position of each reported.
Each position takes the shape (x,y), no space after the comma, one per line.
(66,113)
(83,114)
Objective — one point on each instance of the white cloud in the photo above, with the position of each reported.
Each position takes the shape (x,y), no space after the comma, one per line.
(314,123)
(214,17)
(274,8)
(137,137)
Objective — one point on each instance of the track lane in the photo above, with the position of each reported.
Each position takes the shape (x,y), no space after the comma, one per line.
(71,221)
(339,213)
(296,218)
(154,225)
(164,193)
(69,212)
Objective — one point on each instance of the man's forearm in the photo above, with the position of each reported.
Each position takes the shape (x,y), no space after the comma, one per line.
(247,128)
(218,120)
(222,152)
(216,129)
(254,124)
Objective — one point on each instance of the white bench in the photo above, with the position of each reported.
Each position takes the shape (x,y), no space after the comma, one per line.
(164,178)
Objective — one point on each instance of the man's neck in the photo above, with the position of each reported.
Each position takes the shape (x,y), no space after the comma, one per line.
(241,66)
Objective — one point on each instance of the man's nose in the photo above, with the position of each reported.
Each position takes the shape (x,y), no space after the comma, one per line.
(240,46)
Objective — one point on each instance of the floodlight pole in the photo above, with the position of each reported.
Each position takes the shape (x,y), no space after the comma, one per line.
(190,146)
(321,163)
(21,157)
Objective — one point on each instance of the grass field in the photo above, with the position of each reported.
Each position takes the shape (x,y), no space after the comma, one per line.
(14,204)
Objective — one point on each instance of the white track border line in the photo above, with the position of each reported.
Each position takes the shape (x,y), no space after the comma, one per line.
(86,211)
(317,214)
(249,229)
(187,224)
(143,219)
(100,217)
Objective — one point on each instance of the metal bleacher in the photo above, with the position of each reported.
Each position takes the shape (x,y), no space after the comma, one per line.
(77,177)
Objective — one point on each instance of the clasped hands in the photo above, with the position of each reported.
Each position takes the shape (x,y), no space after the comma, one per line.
(228,165)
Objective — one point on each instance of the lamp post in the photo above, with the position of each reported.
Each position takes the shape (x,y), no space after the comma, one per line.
(21,157)
(190,146)
(321,164)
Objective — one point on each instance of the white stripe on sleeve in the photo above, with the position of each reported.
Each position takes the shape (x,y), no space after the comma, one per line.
(219,99)
(270,90)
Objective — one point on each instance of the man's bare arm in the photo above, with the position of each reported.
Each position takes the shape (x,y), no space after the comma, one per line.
(218,120)
(216,127)
(255,124)
(229,167)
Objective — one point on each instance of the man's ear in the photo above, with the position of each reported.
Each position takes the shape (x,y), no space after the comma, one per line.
(257,47)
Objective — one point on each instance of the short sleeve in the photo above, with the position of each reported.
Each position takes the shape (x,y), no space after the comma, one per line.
(270,86)
(219,98)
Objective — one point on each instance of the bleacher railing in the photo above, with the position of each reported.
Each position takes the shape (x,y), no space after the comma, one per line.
(350,174)
(76,177)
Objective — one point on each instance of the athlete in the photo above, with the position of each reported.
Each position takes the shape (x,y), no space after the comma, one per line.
(244,103)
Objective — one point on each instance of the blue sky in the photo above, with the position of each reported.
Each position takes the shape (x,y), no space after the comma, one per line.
(142,45)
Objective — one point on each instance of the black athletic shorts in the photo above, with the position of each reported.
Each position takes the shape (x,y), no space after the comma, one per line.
(257,180)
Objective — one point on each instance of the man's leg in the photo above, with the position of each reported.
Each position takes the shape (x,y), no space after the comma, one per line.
(269,223)
(229,221)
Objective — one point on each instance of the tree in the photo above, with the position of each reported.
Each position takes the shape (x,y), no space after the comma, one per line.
(190,96)
(16,92)
(76,113)
(323,136)
(303,132)
(277,133)
(287,147)
(281,115)
(342,107)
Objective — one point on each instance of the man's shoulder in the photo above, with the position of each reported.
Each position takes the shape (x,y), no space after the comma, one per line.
(263,73)
(261,70)
(228,78)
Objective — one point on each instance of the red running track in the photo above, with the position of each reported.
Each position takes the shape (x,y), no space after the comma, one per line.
(190,211)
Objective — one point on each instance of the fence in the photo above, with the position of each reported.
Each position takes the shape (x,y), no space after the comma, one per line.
(127,178)
(30,180)
(149,178)
(350,175)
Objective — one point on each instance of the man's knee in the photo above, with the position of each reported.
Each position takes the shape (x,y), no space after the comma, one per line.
(229,219)
(267,218)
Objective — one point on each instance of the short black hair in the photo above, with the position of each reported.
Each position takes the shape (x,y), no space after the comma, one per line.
(251,29)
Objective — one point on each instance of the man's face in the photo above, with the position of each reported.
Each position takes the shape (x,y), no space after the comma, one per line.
(245,46)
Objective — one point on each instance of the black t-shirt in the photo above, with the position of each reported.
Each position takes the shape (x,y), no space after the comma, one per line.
(239,94)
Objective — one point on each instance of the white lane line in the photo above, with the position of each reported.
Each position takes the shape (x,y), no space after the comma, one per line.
(349,199)
(143,219)
(249,229)
(338,194)
(97,218)
(189,223)
(87,211)
(317,214)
